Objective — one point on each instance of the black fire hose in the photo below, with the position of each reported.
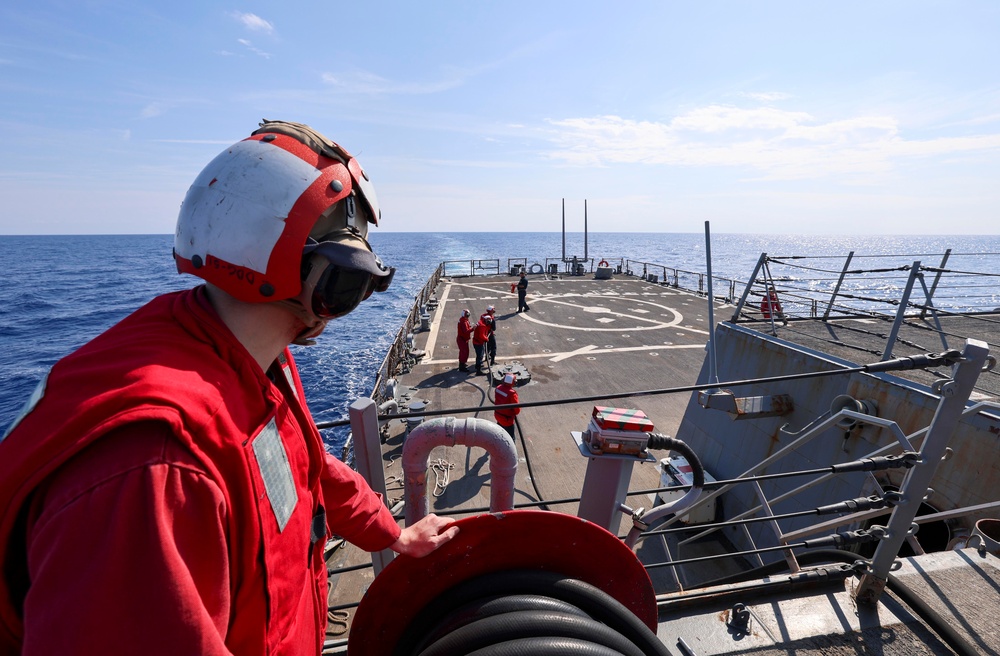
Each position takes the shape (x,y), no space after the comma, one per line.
(527,612)
(667,443)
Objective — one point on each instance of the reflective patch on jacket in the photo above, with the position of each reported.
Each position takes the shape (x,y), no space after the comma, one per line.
(276,472)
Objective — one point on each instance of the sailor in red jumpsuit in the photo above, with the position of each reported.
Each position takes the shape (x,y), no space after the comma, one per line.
(770,306)
(165,490)
(480,336)
(489,320)
(506,394)
(464,333)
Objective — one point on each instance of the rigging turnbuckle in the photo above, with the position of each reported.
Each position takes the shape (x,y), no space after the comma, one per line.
(874,502)
(905,459)
(847,538)
(950,357)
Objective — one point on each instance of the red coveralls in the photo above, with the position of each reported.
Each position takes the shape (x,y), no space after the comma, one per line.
(770,305)
(164,496)
(489,324)
(464,333)
(505,393)
(480,336)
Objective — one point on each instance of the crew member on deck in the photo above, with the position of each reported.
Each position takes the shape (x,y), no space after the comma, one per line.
(165,490)
(464,333)
(770,306)
(522,292)
(480,338)
(489,319)
(506,394)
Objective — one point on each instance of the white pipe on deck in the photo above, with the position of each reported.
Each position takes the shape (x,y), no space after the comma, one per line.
(673,508)
(449,431)
(389,407)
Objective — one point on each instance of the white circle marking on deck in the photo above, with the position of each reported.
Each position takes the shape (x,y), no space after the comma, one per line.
(655,324)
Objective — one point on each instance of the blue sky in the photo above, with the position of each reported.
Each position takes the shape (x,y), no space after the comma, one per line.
(787,117)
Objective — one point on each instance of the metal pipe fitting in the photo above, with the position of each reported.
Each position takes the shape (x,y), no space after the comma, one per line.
(449,431)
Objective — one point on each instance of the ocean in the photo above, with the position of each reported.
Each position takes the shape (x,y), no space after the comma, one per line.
(60,291)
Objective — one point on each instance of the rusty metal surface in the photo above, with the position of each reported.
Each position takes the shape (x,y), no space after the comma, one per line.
(961,586)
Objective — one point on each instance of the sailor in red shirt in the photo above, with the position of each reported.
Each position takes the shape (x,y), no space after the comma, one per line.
(464,333)
(480,336)
(506,394)
(770,306)
(165,490)
(489,320)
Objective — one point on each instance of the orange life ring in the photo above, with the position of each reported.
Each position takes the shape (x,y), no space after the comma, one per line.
(602,263)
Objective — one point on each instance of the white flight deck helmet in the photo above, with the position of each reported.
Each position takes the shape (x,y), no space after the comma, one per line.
(283,216)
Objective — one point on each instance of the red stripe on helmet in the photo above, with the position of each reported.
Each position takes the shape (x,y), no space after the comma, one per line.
(315,200)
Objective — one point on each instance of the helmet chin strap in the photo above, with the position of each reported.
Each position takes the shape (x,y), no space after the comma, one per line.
(308,335)
(313,325)
(301,307)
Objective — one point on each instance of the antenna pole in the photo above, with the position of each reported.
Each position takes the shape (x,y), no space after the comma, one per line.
(564,228)
(713,370)
(585,230)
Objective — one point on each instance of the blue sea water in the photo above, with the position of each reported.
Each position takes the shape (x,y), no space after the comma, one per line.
(60,291)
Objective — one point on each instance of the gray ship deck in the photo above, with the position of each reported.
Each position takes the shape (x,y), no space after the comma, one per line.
(584,338)
(581,338)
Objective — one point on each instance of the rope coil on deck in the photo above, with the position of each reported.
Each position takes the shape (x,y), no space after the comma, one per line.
(442,475)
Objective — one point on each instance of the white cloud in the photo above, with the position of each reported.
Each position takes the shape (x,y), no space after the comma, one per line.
(778,144)
(253,22)
(451,77)
(717,118)
(152,109)
(766,96)
(254,49)
(366,82)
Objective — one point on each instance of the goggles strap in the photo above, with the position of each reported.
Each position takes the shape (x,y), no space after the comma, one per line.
(301,305)
(315,272)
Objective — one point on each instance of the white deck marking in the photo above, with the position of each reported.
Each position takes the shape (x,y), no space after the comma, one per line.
(436,324)
(549,355)
(579,351)
(560,299)
(563,299)
(656,324)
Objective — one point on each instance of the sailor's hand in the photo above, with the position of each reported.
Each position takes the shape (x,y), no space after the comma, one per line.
(425,536)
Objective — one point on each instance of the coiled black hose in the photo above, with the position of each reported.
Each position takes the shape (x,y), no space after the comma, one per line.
(527,612)
(545,647)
